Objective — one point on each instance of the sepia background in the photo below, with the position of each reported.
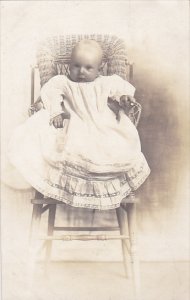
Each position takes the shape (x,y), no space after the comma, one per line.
(156,35)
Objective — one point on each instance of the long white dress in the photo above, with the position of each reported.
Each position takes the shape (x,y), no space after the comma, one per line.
(94,161)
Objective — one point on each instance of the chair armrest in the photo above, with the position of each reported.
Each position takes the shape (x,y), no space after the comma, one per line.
(134,113)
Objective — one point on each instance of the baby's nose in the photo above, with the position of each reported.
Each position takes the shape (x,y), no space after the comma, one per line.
(81,70)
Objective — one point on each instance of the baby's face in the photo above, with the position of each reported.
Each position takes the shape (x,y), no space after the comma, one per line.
(84,66)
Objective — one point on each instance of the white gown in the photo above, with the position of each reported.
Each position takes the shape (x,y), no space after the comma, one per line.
(94,161)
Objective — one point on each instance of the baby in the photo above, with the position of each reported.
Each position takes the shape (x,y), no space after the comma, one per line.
(85,66)
(90,159)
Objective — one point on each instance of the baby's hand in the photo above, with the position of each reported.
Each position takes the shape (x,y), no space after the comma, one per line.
(36,106)
(127,102)
(58,121)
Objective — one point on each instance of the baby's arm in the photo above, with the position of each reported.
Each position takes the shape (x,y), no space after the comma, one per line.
(121,95)
(52,94)
(57,121)
(38,105)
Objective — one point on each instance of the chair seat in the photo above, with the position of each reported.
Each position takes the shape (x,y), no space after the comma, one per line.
(44,200)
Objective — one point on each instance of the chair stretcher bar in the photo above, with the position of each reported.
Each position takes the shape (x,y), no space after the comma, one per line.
(84,237)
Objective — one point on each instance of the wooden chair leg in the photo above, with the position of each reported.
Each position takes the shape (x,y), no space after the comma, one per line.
(35,223)
(36,217)
(51,223)
(131,209)
(33,241)
(123,225)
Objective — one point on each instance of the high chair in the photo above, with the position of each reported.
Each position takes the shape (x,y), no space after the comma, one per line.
(52,59)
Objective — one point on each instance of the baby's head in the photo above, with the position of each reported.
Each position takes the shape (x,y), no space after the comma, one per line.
(86,59)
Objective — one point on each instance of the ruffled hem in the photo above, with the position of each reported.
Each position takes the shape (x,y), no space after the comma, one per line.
(94,193)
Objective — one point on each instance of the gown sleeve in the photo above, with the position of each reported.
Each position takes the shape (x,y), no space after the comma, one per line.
(120,87)
(52,95)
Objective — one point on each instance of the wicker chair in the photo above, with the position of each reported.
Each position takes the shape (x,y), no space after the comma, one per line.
(52,59)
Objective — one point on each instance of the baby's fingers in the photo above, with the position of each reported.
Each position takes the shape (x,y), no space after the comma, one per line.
(55,123)
(131,99)
(58,123)
(124,102)
(127,101)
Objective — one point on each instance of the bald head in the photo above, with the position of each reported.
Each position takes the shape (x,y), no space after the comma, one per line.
(88,48)
(86,59)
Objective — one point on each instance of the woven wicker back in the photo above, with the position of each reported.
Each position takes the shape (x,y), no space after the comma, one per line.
(54,53)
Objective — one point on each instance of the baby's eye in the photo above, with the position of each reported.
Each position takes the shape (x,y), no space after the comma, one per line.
(89,68)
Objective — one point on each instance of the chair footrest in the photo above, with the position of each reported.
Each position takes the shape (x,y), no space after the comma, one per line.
(86,228)
(84,237)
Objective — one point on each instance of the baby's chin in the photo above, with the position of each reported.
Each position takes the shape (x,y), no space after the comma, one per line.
(82,79)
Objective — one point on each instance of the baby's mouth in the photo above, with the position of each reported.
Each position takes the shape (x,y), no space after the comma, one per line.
(81,78)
